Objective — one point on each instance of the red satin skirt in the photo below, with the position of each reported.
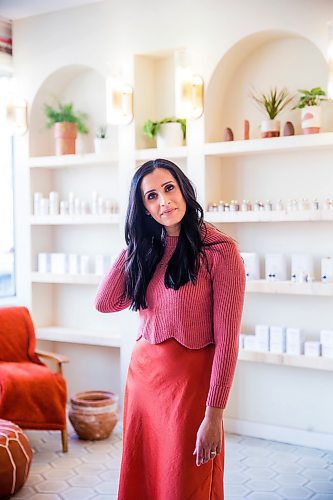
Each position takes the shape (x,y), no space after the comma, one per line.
(165,402)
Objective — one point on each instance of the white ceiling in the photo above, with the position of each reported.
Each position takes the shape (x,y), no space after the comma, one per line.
(17,9)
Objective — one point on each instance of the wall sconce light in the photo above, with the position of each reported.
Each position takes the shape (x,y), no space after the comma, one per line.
(330,62)
(119,102)
(189,91)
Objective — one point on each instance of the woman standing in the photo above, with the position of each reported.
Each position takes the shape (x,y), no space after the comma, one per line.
(187,281)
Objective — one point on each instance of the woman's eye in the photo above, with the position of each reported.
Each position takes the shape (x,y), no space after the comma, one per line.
(169,187)
(151,196)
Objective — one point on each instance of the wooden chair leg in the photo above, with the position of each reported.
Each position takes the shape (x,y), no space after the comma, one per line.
(64,440)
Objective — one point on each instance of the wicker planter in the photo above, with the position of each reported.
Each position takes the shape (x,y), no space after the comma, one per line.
(65,134)
(94,414)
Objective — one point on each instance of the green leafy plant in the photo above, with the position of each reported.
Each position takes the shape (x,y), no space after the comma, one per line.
(310,97)
(151,129)
(274,102)
(65,113)
(102,132)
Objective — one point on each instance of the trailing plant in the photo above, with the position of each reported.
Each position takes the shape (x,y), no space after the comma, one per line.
(310,97)
(151,129)
(273,102)
(65,113)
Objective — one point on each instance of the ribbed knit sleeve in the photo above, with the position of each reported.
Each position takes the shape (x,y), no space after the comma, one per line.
(228,277)
(111,292)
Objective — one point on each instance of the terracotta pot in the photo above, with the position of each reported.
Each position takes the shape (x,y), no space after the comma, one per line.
(65,134)
(270,128)
(94,414)
(15,458)
(311,119)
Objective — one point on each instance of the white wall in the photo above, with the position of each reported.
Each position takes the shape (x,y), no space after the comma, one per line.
(110,34)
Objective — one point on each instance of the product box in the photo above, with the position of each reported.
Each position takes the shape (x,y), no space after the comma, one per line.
(262,338)
(326,273)
(250,343)
(326,338)
(241,341)
(252,265)
(294,341)
(58,263)
(73,263)
(277,342)
(84,264)
(312,348)
(275,267)
(327,352)
(302,268)
(43,263)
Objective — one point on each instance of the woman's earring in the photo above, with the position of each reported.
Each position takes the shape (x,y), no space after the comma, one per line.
(147,213)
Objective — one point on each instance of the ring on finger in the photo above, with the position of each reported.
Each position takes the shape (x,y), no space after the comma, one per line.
(213,454)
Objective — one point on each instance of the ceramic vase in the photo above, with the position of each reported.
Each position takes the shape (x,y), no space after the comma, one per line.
(270,128)
(170,135)
(311,119)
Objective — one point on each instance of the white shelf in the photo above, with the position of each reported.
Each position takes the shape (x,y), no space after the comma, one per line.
(76,160)
(153,153)
(61,334)
(52,220)
(317,363)
(274,145)
(66,279)
(288,287)
(270,216)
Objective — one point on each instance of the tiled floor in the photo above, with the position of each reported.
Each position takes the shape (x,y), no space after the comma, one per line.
(256,469)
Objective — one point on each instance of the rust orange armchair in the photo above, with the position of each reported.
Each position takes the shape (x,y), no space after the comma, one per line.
(31,395)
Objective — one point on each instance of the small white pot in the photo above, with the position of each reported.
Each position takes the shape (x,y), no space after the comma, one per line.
(170,135)
(270,128)
(102,145)
(311,119)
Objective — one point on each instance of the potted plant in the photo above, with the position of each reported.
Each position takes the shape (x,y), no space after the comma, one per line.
(169,132)
(67,123)
(273,104)
(309,103)
(102,141)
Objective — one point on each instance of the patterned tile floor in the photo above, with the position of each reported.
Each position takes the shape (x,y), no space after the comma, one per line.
(256,469)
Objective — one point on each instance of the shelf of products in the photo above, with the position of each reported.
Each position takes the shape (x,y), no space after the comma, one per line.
(46,220)
(270,216)
(64,161)
(301,361)
(66,279)
(315,288)
(61,334)
(273,145)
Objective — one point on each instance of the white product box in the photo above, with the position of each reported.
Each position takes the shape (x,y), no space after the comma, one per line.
(327,352)
(252,265)
(102,264)
(277,339)
(326,273)
(37,199)
(326,338)
(84,264)
(43,262)
(250,343)
(294,341)
(312,348)
(241,341)
(73,263)
(58,263)
(262,337)
(302,268)
(53,203)
(275,267)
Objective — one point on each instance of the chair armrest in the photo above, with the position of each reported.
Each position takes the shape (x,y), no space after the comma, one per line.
(54,356)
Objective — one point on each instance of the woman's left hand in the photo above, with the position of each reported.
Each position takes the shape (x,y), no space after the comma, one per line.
(209,439)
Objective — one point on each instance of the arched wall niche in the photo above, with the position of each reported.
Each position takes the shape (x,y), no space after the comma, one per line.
(257,63)
(85,88)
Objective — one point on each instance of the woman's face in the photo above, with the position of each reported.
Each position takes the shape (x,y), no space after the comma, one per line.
(163,199)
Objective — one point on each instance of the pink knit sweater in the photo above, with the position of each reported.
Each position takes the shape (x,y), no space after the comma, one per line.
(207,312)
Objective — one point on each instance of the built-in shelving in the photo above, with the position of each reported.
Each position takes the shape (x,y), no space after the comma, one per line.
(169,153)
(270,216)
(77,160)
(66,279)
(46,220)
(301,361)
(288,287)
(274,145)
(61,334)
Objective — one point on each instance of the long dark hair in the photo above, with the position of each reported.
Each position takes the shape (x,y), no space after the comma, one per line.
(146,238)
